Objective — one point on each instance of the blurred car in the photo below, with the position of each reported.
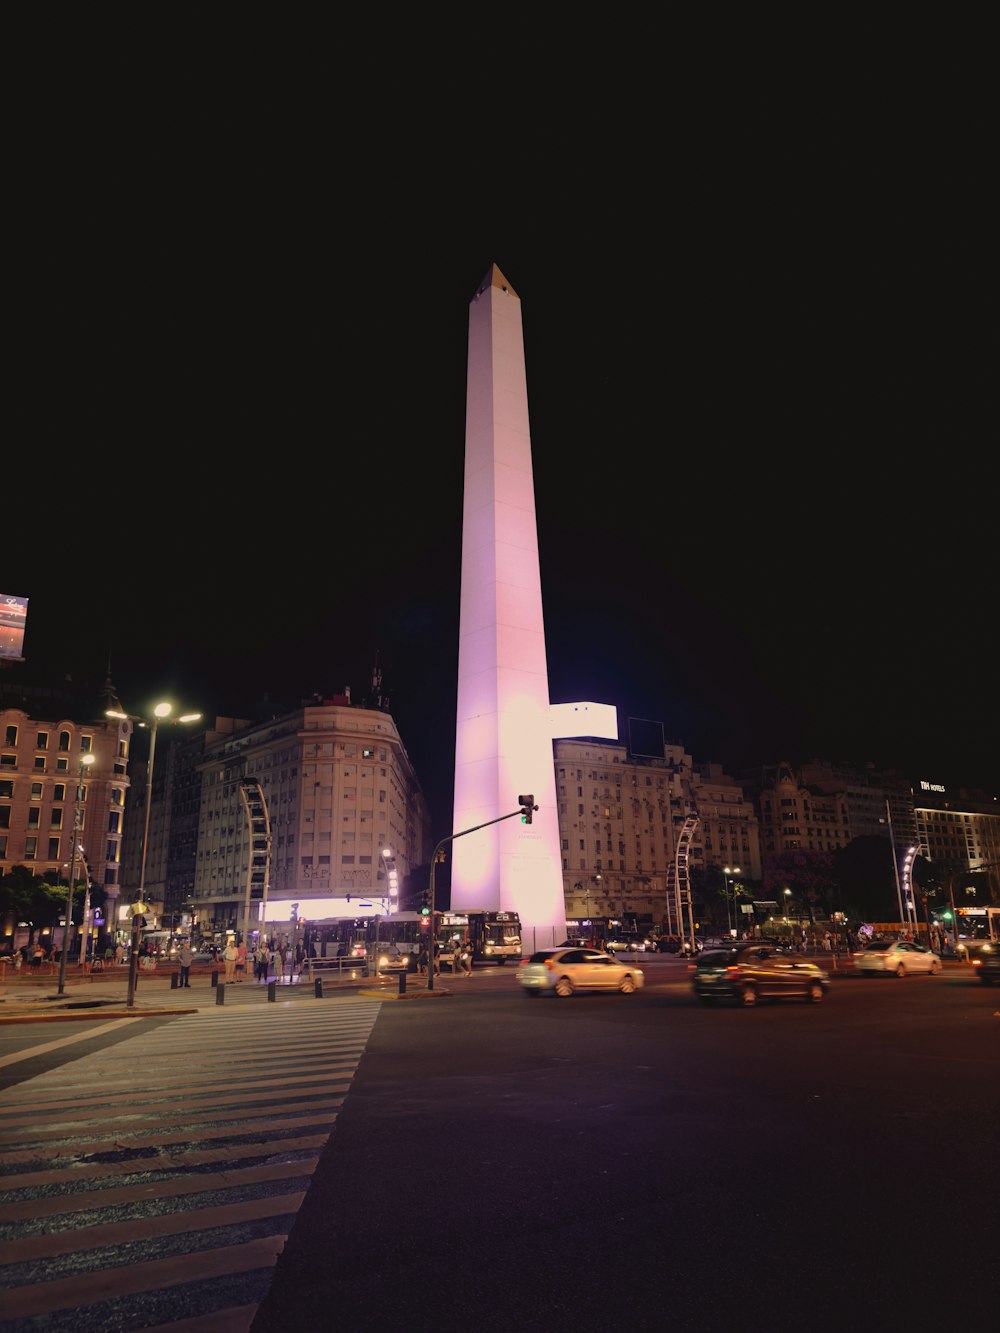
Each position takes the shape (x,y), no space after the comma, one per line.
(986,963)
(563,971)
(387,958)
(897,958)
(626,944)
(751,972)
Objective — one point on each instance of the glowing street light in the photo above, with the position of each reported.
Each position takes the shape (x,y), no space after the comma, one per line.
(161,712)
(726,872)
(85,761)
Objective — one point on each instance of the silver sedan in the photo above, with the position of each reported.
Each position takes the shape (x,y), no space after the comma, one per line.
(896,958)
(566,970)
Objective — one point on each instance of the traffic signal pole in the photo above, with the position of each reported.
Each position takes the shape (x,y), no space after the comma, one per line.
(524,810)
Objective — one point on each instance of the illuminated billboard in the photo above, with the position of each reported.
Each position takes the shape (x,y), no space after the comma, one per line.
(13,615)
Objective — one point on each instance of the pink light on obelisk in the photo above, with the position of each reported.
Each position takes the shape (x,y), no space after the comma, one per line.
(504,734)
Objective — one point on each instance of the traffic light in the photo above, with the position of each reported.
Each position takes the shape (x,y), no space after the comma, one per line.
(528,806)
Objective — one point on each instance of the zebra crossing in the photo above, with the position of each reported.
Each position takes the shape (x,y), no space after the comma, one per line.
(154,1183)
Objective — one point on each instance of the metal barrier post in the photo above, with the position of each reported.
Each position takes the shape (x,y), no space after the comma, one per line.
(318,987)
(402,983)
(174,980)
(215,978)
(220,995)
(271,985)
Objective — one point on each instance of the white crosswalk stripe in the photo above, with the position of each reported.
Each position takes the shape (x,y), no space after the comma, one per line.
(158,1182)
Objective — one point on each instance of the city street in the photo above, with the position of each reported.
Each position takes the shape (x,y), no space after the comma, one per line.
(480,1159)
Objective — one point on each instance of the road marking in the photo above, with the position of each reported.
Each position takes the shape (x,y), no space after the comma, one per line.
(63,1041)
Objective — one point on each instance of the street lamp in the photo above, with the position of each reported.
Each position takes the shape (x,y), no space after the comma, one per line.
(160,713)
(788,894)
(85,761)
(392,881)
(726,872)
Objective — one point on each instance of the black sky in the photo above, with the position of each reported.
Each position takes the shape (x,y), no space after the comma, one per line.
(757,317)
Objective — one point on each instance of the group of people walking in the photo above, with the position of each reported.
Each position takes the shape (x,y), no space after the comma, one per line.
(461,958)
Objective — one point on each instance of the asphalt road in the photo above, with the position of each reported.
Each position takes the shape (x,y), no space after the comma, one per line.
(627,1161)
(644,1162)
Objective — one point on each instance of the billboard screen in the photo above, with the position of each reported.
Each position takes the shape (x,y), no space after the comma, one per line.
(645,738)
(13,614)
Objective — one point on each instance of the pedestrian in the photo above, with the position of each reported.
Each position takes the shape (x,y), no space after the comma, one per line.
(241,961)
(185,957)
(289,962)
(466,948)
(422,958)
(36,958)
(119,954)
(229,956)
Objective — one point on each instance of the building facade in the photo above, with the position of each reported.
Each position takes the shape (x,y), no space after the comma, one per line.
(619,819)
(339,788)
(40,772)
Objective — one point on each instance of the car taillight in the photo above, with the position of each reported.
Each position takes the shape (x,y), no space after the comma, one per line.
(977,962)
(732,971)
(550,964)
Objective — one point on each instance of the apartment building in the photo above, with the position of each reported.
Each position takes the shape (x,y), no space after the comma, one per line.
(619,817)
(339,788)
(41,770)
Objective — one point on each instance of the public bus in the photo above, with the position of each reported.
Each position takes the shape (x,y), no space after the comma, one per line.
(353,937)
(975,926)
(495,936)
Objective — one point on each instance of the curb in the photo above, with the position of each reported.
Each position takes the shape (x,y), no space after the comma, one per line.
(410,995)
(91,1015)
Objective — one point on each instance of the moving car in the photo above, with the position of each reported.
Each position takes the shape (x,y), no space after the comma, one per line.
(387,958)
(747,973)
(986,964)
(563,971)
(896,957)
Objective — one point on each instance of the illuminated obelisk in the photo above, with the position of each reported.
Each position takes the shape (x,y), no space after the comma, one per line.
(504,730)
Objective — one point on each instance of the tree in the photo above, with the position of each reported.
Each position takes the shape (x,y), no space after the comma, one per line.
(866,880)
(809,875)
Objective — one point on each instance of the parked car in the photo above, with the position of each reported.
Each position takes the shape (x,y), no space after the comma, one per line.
(986,963)
(897,958)
(747,973)
(563,971)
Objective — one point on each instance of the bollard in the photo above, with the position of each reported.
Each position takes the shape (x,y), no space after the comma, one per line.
(271,994)
(174,978)
(215,978)
(220,995)
(402,983)
(318,988)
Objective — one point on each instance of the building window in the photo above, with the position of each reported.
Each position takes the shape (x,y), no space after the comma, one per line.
(56,819)
(34,815)
(11,736)
(86,744)
(4,816)
(40,762)
(36,791)
(6,787)
(8,761)
(53,849)
(3,847)
(64,740)
(347,860)
(59,792)
(30,847)
(62,765)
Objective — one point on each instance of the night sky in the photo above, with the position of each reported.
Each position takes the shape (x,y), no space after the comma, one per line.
(758,328)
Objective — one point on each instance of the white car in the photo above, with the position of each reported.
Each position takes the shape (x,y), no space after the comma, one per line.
(565,970)
(896,958)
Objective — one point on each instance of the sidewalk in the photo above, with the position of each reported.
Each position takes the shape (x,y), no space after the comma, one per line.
(36,999)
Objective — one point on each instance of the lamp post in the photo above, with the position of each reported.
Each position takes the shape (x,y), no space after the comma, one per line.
(85,761)
(788,894)
(160,713)
(392,890)
(726,872)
